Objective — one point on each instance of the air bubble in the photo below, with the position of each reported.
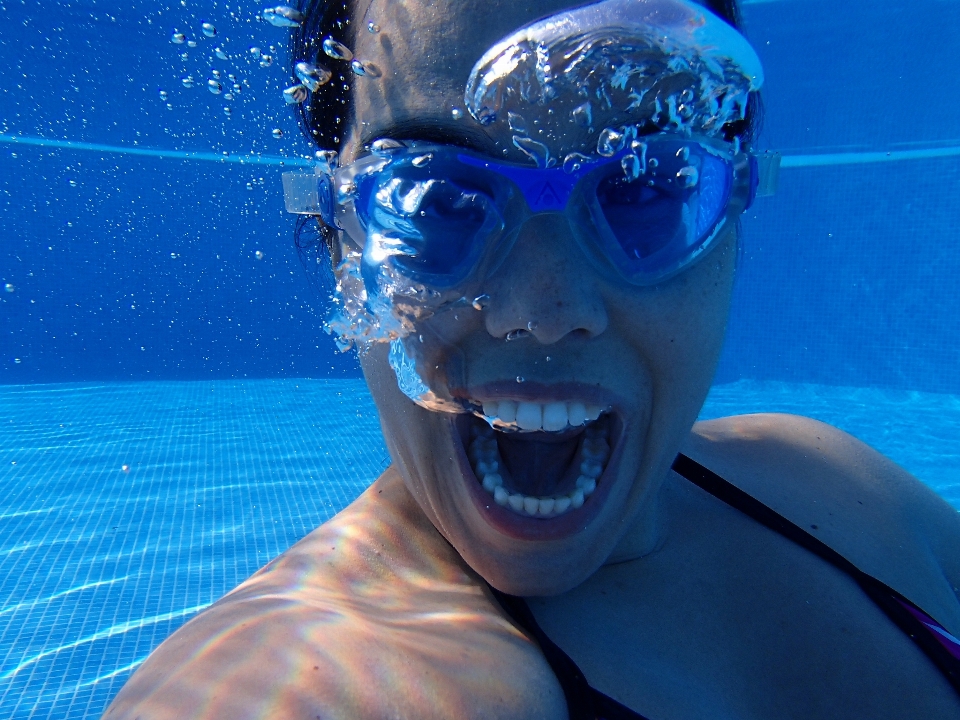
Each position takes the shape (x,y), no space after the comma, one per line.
(385,146)
(216,74)
(283,16)
(520,378)
(610,142)
(631,166)
(295,94)
(249,186)
(422,160)
(228,96)
(536,151)
(220,54)
(684,153)
(188,81)
(277,133)
(480,302)
(191,43)
(456,113)
(516,122)
(574,161)
(184,56)
(73,183)
(532,325)
(266,60)
(255,52)
(313,76)
(259,255)
(228,111)
(358,67)
(517,335)
(583,115)
(688,176)
(653,162)
(373,27)
(327,160)
(214,87)
(178,38)
(209,30)
(163,94)
(9,287)
(337,50)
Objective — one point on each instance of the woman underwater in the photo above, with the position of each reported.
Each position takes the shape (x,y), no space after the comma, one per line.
(534,221)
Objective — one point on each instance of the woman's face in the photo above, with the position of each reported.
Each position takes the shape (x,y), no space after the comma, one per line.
(646,353)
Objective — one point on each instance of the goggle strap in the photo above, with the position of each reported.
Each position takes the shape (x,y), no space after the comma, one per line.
(768,173)
(308,193)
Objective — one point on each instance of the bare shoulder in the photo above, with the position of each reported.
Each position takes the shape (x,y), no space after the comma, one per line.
(371,615)
(852,497)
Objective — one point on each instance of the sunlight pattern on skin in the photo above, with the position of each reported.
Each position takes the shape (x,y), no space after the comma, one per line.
(301,634)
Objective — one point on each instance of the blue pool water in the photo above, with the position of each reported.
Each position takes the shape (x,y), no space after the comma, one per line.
(99,565)
(172,415)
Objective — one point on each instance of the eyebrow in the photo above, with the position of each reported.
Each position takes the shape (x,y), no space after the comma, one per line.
(437,131)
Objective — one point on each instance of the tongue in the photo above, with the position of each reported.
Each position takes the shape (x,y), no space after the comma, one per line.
(536,465)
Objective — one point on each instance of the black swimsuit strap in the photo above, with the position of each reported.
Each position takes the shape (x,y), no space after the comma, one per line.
(885,597)
(586,703)
(583,701)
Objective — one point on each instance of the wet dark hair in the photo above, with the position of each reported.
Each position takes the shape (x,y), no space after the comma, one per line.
(324,116)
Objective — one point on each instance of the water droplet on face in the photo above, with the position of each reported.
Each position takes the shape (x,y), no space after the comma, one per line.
(337,50)
(358,67)
(266,60)
(574,161)
(283,16)
(456,113)
(610,142)
(188,81)
(421,160)
(631,166)
(373,27)
(163,94)
(220,54)
(480,302)
(214,87)
(209,30)
(255,52)
(277,133)
(517,335)
(178,38)
(295,94)
(688,176)
(313,76)
(684,153)
(259,254)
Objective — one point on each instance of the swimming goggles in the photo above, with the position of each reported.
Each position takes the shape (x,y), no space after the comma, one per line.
(441,215)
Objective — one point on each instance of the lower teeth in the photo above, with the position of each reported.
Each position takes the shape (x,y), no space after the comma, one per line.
(486,461)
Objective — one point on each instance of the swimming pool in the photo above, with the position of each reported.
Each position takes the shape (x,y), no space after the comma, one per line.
(172,415)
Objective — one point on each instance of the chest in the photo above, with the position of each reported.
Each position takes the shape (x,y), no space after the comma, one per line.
(745,627)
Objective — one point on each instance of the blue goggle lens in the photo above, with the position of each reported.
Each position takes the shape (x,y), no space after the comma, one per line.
(433,219)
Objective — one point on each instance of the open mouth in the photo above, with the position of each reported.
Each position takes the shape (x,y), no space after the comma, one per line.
(539,460)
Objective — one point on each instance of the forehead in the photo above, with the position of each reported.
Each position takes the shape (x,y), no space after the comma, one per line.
(423,54)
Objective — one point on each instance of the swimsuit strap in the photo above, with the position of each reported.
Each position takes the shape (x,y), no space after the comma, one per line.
(587,703)
(940,646)
(583,701)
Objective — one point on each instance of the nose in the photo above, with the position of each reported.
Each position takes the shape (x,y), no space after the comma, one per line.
(545,286)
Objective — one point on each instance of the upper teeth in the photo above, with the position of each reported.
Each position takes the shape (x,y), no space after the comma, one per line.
(551,416)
